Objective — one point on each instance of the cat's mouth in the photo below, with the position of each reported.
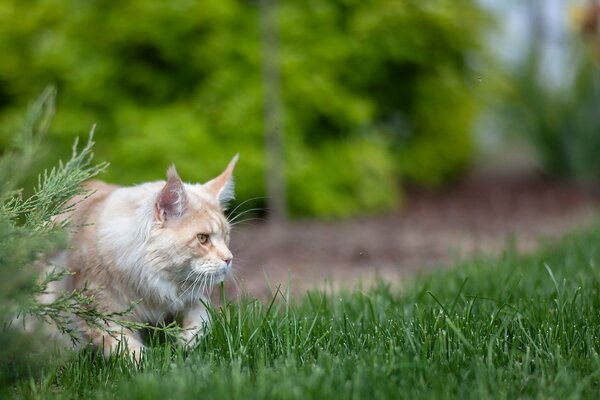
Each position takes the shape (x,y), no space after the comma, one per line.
(203,278)
(214,273)
(218,275)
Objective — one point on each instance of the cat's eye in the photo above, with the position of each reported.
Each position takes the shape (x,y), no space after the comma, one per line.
(203,238)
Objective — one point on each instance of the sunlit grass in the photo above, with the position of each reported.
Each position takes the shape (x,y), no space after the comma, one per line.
(516,326)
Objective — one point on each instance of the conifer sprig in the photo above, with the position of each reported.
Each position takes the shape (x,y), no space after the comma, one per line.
(30,235)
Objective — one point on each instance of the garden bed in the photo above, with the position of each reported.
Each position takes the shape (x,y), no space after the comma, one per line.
(433,229)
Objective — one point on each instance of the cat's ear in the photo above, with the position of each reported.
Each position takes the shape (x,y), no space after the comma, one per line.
(222,186)
(172,199)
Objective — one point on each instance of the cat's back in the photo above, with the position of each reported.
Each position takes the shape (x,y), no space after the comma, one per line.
(104,226)
(87,206)
(106,206)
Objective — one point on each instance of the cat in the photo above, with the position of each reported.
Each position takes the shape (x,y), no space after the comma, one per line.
(164,244)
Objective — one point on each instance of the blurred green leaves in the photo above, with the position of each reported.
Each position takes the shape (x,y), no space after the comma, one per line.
(374,91)
(27,235)
(561,121)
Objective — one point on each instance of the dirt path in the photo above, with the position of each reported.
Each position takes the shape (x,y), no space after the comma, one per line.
(432,230)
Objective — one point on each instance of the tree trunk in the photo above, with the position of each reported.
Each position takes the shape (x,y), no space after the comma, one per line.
(273,123)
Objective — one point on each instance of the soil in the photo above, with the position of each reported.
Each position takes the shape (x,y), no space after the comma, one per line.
(432,229)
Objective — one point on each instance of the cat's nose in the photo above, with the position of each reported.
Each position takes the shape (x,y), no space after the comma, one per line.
(228,261)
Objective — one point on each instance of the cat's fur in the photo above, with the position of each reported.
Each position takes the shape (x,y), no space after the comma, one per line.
(142,243)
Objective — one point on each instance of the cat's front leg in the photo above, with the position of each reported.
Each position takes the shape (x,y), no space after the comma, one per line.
(195,322)
(115,344)
(114,340)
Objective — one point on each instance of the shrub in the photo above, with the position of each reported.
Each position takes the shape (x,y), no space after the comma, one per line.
(561,122)
(180,82)
(27,233)
(27,239)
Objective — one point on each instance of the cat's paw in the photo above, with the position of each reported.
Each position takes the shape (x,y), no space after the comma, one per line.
(128,347)
(136,353)
(189,338)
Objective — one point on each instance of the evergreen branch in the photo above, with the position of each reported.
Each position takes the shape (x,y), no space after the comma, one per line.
(28,226)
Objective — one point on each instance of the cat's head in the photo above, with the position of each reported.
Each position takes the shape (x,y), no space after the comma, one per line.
(192,229)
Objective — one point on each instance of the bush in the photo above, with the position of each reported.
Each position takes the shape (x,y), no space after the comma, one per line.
(561,123)
(27,234)
(180,82)
(27,239)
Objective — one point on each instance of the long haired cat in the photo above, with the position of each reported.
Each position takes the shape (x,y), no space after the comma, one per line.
(163,244)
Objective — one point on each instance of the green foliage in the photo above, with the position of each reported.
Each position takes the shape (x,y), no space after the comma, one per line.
(179,81)
(27,233)
(28,237)
(562,123)
(325,174)
(514,327)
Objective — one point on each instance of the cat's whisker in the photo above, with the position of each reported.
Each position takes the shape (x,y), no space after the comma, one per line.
(245,212)
(248,220)
(211,284)
(208,285)
(198,283)
(200,288)
(235,281)
(180,297)
(207,289)
(203,286)
(189,275)
(191,287)
(245,202)
(238,215)
(238,260)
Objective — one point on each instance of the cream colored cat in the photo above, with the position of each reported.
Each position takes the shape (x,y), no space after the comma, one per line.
(164,244)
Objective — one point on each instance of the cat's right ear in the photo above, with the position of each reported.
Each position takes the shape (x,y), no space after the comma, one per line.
(172,199)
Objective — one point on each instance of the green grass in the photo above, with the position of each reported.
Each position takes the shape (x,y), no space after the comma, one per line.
(511,327)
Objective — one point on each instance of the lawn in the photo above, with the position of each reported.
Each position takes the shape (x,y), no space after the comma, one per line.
(508,327)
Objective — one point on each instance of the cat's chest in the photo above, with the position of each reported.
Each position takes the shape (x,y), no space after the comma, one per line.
(156,315)
(165,310)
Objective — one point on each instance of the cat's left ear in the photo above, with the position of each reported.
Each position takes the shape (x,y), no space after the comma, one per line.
(172,199)
(222,186)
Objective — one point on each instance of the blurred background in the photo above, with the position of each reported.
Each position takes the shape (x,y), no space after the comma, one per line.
(376,137)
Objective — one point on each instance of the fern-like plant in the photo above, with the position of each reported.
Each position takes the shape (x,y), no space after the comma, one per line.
(28,237)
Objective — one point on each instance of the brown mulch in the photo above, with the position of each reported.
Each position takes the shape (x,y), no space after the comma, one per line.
(431,230)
